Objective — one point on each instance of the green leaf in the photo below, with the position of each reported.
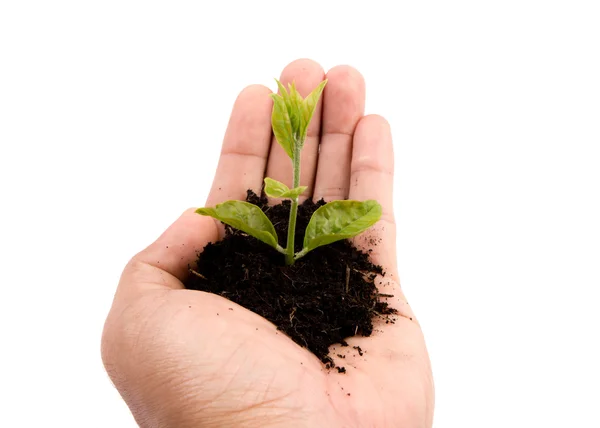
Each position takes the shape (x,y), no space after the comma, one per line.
(282,126)
(277,189)
(246,217)
(282,91)
(340,220)
(309,106)
(295,109)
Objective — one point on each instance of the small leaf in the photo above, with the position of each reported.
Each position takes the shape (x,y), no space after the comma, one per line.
(282,91)
(295,109)
(282,126)
(246,217)
(277,189)
(274,188)
(309,106)
(340,220)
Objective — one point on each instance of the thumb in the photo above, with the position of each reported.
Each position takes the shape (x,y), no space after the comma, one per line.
(165,263)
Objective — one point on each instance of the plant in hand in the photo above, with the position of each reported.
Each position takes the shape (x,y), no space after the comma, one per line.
(331,222)
(325,298)
(218,357)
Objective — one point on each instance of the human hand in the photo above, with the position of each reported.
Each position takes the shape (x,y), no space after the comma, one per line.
(182,358)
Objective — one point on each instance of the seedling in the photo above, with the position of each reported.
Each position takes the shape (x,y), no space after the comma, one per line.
(331,222)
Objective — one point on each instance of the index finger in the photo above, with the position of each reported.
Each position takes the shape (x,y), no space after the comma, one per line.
(245,147)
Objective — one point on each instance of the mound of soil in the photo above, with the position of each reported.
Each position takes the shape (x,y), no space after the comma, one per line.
(324,298)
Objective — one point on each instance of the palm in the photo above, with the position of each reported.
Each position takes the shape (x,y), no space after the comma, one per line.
(225,364)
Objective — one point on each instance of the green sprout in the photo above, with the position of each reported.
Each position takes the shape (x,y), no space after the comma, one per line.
(331,222)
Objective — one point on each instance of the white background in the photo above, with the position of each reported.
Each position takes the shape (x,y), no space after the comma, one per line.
(111,117)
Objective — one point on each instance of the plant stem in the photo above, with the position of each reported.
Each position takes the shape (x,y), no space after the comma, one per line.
(289,257)
(301,254)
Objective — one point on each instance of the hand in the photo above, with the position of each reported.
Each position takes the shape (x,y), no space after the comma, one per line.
(182,358)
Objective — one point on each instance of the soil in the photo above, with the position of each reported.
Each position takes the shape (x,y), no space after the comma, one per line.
(324,298)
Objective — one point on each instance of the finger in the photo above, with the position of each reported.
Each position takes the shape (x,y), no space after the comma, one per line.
(307,74)
(245,147)
(372,177)
(343,106)
(165,263)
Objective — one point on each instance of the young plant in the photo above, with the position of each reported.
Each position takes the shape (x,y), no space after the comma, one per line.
(331,222)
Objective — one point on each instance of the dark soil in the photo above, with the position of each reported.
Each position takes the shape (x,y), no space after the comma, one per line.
(324,298)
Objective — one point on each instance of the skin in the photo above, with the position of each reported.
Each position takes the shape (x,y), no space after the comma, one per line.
(183,358)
